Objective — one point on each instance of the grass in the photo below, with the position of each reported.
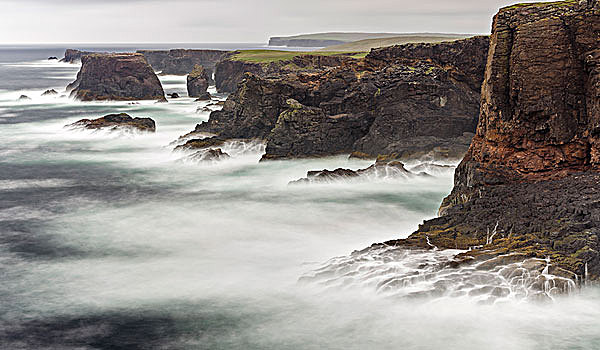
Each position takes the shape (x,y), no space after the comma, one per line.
(368,44)
(539,4)
(268,56)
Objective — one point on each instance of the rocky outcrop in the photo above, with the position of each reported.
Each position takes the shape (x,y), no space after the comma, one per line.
(389,102)
(49,92)
(117,121)
(379,169)
(230,72)
(183,61)
(197,82)
(528,186)
(74,56)
(124,76)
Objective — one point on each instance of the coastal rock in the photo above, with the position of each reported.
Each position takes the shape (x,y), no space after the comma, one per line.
(116,121)
(183,61)
(529,184)
(379,169)
(173,95)
(388,102)
(208,155)
(50,92)
(200,143)
(24,98)
(197,82)
(51,58)
(74,56)
(124,76)
(205,96)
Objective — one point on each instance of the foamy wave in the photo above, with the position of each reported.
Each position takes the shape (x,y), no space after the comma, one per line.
(406,273)
(46,183)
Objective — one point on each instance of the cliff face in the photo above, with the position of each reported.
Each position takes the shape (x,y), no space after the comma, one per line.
(182,61)
(73,56)
(116,77)
(197,82)
(230,72)
(390,102)
(528,186)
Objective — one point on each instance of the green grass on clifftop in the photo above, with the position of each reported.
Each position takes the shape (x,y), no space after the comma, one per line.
(267,56)
(545,3)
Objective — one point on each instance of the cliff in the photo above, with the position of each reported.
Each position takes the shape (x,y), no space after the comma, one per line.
(528,186)
(230,72)
(197,82)
(73,56)
(389,102)
(183,61)
(124,76)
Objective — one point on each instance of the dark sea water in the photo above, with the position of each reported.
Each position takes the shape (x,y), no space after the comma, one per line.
(111,241)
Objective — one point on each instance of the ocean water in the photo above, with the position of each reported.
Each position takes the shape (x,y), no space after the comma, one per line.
(113,241)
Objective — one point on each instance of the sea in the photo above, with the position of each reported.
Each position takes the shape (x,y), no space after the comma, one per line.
(113,240)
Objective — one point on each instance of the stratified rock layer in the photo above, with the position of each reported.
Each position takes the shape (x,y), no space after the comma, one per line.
(123,76)
(529,184)
(411,100)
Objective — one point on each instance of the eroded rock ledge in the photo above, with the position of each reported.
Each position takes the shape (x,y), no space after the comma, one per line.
(529,185)
(410,100)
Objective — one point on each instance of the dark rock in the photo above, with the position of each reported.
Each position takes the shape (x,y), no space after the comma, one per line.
(52,58)
(182,61)
(74,56)
(24,98)
(208,155)
(529,184)
(381,169)
(201,143)
(197,82)
(116,77)
(173,95)
(205,96)
(389,102)
(50,92)
(115,121)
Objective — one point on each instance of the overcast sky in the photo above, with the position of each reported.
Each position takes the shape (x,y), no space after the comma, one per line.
(205,21)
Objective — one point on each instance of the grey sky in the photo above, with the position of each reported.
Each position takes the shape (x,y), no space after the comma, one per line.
(203,21)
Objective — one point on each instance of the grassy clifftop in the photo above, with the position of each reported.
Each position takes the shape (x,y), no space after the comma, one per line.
(267,56)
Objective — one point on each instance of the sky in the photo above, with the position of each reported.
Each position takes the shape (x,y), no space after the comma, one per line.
(232,21)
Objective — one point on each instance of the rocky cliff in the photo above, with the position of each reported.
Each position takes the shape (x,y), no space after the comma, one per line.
(73,56)
(183,61)
(125,76)
(529,184)
(230,72)
(197,82)
(396,100)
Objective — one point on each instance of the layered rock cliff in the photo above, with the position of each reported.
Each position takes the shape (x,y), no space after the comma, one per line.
(183,61)
(529,184)
(124,76)
(396,100)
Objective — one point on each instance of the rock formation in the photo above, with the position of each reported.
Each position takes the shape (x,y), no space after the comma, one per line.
(230,71)
(124,76)
(183,61)
(74,56)
(528,186)
(379,169)
(197,82)
(412,100)
(116,121)
(49,92)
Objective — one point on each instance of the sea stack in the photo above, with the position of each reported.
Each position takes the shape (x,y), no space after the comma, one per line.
(197,83)
(528,186)
(116,76)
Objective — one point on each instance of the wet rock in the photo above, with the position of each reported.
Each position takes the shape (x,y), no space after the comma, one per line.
(208,155)
(50,92)
(24,98)
(197,82)
(173,95)
(201,143)
(116,77)
(52,58)
(117,121)
(381,169)
(205,96)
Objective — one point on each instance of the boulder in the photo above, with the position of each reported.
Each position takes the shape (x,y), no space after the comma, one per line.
(50,92)
(52,58)
(173,95)
(24,98)
(117,121)
(123,76)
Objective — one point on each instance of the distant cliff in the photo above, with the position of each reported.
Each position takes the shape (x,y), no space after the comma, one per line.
(528,186)
(123,76)
(395,100)
(282,41)
(73,56)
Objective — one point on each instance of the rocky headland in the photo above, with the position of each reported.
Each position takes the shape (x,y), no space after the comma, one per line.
(122,76)
(183,61)
(115,122)
(413,100)
(74,56)
(529,185)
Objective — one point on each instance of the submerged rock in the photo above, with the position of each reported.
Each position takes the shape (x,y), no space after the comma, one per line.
(197,82)
(116,121)
(52,58)
(209,155)
(379,169)
(24,98)
(199,143)
(50,92)
(123,76)
(173,95)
